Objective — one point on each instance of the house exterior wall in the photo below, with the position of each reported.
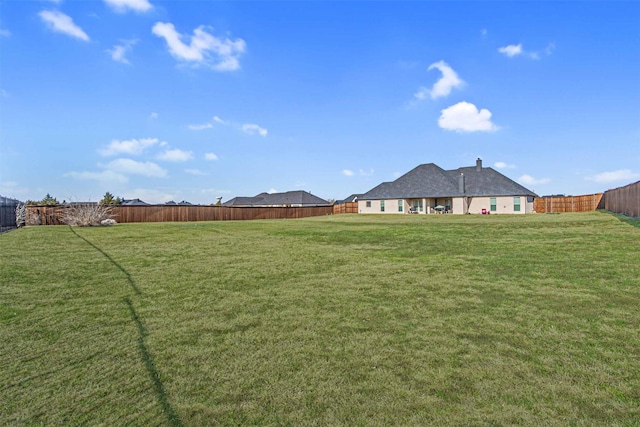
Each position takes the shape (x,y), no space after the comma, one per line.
(529,205)
(478,203)
(458,205)
(504,205)
(390,206)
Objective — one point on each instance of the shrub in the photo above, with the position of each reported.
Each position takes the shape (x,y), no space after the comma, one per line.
(87,215)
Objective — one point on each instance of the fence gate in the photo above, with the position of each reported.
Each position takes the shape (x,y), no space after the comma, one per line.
(8,213)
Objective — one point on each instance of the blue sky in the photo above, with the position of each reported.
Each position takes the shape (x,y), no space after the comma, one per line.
(193,100)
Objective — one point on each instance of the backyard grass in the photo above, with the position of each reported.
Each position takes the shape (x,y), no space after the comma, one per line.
(337,320)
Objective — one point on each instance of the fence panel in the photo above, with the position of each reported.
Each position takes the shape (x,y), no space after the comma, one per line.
(585,203)
(52,215)
(624,200)
(345,208)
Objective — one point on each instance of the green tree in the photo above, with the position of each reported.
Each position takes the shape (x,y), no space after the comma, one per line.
(49,200)
(108,199)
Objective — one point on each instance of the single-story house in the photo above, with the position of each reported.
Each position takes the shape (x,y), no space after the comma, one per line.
(430,189)
(297,198)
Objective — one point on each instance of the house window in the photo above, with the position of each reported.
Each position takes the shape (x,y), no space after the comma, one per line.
(368,203)
(400,203)
(381,205)
(493,204)
(421,206)
(516,204)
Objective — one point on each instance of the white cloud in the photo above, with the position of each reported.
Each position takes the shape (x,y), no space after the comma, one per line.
(208,125)
(614,176)
(528,179)
(203,49)
(348,172)
(511,50)
(196,172)
(128,166)
(210,156)
(58,21)
(272,190)
(5,33)
(119,52)
(131,146)
(517,50)
(484,32)
(121,6)
(550,48)
(422,93)
(448,81)
(465,117)
(153,115)
(201,127)
(4,93)
(176,155)
(252,129)
(366,173)
(106,177)
(12,189)
(503,165)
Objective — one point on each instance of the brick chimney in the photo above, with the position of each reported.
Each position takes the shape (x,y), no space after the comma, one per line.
(479,165)
(461,184)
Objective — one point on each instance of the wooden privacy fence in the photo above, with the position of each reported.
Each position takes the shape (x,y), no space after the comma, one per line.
(53,215)
(345,208)
(624,200)
(585,203)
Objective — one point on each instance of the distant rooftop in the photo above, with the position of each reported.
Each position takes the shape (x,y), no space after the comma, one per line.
(289,198)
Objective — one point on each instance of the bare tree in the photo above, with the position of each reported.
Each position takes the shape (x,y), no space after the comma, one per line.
(87,215)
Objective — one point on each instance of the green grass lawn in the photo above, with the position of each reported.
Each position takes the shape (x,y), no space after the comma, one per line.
(337,320)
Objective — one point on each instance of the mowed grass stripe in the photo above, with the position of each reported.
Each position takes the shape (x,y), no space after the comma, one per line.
(340,320)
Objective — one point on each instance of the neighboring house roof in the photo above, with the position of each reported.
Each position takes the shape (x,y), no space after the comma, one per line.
(82,203)
(239,201)
(185,203)
(171,202)
(298,197)
(134,202)
(352,198)
(431,181)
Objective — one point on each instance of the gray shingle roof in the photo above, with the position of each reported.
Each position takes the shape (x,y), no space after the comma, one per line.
(298,197)
(350,199)
(134,202)
(431,181)
(489,182)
